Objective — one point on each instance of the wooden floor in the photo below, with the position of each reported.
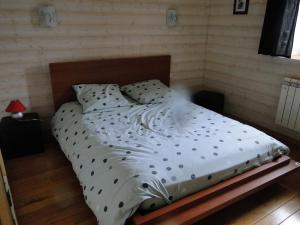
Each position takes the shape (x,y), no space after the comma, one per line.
(46,191)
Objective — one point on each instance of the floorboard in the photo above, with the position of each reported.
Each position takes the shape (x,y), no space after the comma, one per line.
(46,191)
(260,207)
(293,219)
(282,213)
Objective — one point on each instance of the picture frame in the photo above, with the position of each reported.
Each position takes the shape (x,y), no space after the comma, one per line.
(240,7)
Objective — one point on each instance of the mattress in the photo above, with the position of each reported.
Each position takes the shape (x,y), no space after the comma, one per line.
(146,156)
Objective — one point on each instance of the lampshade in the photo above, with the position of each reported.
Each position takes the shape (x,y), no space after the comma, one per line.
(15,106)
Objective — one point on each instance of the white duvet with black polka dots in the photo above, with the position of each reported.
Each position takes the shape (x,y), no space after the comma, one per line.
(146,156)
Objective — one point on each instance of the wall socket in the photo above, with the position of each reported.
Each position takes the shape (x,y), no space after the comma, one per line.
(171,18)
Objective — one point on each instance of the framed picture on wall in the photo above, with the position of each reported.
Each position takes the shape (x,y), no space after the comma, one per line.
(240,6)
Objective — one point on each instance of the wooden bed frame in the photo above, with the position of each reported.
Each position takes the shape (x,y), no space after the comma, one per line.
(192,208)
(116,71)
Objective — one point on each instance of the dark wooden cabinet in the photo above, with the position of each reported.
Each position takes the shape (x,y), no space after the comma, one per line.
(210,100)
(20,137)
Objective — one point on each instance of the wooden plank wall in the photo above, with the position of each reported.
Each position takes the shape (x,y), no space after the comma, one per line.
(208,44)
(251,82)
(94,29)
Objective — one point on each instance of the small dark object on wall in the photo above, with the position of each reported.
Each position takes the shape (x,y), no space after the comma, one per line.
(20,137)
(240,6)
(210,100)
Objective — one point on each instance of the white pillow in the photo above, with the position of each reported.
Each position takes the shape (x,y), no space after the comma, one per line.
(94,97)
(150,91)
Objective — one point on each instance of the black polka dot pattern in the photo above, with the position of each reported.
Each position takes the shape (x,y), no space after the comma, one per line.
(95,97)
(141,151)
(150,91)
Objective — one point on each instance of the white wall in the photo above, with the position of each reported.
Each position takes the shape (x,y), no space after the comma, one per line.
(92,29)
(209,43)
(251,82)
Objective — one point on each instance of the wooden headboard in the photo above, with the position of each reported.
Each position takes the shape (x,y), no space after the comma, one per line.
(118,71)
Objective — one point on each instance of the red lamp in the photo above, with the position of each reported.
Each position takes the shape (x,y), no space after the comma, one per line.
(16,108)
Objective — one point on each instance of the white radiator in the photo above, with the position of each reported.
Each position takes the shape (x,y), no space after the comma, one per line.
(288,113)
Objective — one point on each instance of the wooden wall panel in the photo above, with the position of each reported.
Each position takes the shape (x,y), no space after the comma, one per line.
(93,29)
(210,45)
(251,82)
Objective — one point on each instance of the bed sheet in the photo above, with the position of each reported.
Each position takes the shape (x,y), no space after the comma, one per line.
(151,155)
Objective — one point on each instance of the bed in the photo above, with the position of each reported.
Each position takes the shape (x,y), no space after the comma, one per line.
(171,174)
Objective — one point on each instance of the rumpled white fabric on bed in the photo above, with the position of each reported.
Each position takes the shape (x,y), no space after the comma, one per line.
(151,155)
